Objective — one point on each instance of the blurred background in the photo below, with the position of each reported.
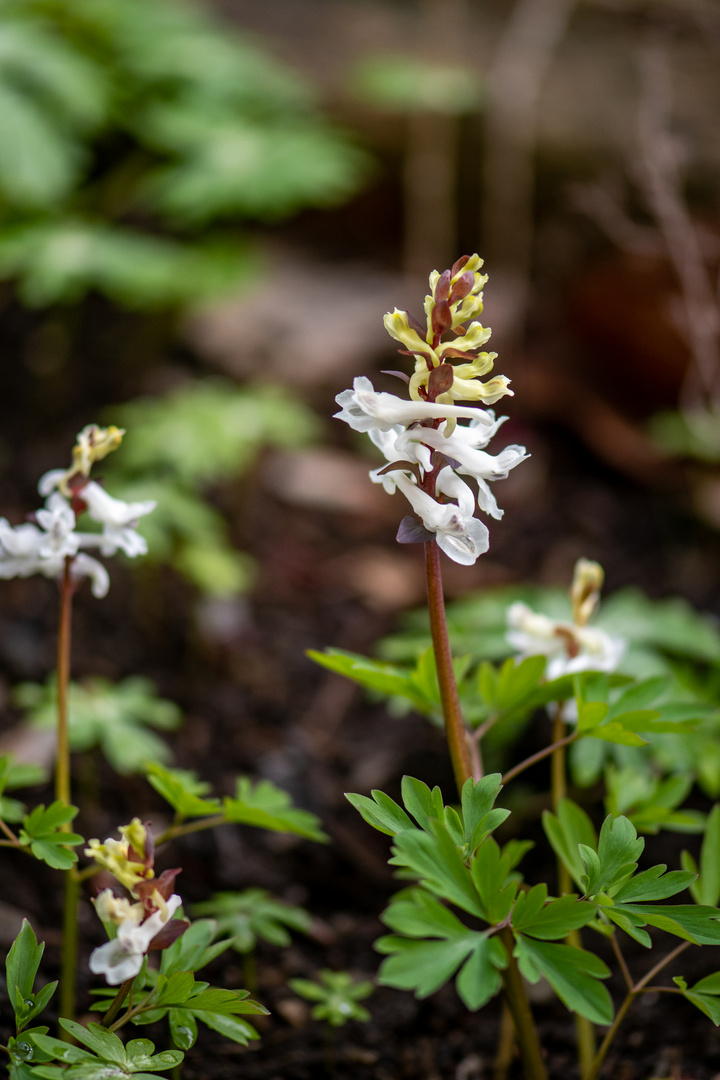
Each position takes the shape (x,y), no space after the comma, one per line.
(205,211)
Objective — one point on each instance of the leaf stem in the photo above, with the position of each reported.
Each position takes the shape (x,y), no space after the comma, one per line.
(62,766)
(534,758)
(68,959)
(118,1002)
(634,991)
(525,1030)
(454,724)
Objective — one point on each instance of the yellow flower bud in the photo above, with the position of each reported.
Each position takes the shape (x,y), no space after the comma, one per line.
(585,590)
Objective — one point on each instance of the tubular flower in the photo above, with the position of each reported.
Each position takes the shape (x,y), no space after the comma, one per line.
(571,646)
(428,451)
(146,924)
(122,957)
(455,297)
(50,541)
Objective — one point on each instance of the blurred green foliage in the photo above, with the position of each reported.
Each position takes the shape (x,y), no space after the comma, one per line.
(415,83)
(129,132)
(116,717)
(254,914)
(203,433)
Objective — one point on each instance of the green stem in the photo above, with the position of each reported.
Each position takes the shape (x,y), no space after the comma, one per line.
(514,987)
(454,724)
(118,1002)
(525,1030)
(584,1030)
(62,766)
(634,991)
(68,958)
(539,756)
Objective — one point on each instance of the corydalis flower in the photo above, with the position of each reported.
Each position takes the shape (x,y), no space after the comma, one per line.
(570,645)
(147,923)
(427,450)
(51,542)
(455,298)
(122,957)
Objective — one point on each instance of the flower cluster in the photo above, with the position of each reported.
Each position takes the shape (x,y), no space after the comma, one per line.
(570,646)
(51,541)
(148,923)
(428,451)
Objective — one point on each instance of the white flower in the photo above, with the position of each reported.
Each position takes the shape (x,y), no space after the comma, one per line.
(58,521)
(122,958)
(364,408)
(570,648)
(461,536)
(118,519)
(467,459)
(85,566)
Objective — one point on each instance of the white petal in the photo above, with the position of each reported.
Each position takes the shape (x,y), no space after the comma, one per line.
(363,408)
(110,511)
(50,480)
(85,566)
(115,961)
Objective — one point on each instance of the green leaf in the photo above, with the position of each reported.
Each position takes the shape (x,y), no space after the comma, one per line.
(194,949)
(423,966)
(230,1026)
(381,812)
(558,918)
(22,962)
(479,818)
(618,851)
(174,788)
(479,978)
(653,884)
(489,870)
(706,889)
(571,828)
(573,974)
(424,805)
(43,833)
(269,807)
(337,995)
(387,679)
(251,915)
(116,717)
(417,914)
(517,679)
(528,906)
(439,865)
(183,1028)
(691,922)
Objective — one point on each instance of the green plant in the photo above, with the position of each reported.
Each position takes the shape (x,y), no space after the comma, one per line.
(116,717)
(171,456)
(336,994)
(518,930)
(147,917)
(131,134)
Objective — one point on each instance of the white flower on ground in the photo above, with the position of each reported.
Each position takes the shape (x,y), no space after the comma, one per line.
(122,958)
(570,648)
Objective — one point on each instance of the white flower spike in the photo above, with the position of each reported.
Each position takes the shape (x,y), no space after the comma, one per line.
(53,544)
(427,450)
